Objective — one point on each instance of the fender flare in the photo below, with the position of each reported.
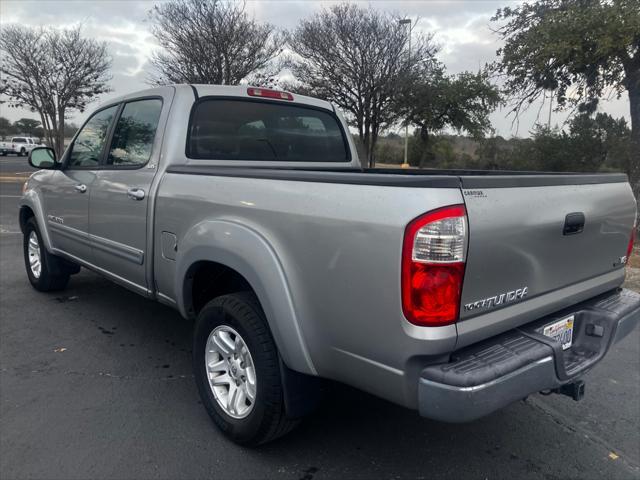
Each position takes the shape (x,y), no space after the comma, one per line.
(32,200)
(246,251)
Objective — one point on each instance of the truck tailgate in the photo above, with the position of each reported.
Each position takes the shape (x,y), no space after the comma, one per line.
(527,241)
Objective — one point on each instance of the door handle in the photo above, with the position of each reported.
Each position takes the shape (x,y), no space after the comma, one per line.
(135,193)
(80,188)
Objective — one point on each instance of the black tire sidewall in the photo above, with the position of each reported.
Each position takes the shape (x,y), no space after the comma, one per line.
(222,312)
(31,226)
(51,277)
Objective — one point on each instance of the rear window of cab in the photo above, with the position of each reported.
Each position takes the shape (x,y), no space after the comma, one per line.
(227,129)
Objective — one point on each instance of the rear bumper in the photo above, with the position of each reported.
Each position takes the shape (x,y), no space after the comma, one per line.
(496,372)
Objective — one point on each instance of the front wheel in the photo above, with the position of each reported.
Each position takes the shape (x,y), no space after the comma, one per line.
(46,272)
(237,370)
(22,153)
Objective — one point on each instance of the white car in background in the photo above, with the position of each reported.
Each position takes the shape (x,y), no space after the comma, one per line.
(21,146)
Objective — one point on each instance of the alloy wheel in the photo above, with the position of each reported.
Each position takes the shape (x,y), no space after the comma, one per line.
(230,371)
(35,258)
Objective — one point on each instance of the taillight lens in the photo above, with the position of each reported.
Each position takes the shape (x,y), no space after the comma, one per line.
(433,261)
(632,240)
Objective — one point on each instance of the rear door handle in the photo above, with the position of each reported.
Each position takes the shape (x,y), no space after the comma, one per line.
(135,193)
(80,188)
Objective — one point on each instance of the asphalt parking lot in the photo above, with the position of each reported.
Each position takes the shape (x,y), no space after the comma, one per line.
(95,382)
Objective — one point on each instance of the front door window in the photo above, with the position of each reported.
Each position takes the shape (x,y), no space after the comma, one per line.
(89,144)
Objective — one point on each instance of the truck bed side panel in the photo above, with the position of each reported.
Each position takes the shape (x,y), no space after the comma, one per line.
(340,249)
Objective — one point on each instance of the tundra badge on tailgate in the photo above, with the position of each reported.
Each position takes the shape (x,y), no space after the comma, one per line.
(507,297)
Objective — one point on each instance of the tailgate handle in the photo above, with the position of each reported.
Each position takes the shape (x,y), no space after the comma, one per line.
(573,223)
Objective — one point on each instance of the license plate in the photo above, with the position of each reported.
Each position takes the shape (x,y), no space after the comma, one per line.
(561,331)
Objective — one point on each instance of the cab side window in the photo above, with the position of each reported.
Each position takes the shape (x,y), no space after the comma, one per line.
(134,133)
(89,144)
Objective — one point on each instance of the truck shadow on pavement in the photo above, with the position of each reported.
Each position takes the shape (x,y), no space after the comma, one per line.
(114,371)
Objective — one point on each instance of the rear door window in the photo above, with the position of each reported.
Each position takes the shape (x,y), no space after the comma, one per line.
(257,130)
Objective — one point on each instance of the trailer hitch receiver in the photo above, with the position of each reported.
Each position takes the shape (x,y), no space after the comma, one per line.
(574,390)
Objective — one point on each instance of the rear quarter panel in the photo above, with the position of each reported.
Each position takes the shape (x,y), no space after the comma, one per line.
(338,250)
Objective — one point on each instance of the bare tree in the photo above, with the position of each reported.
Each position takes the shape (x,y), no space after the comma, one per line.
(52,72)
(354,57)
(210,41)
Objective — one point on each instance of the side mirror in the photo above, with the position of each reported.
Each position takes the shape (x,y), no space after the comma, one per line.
(43,158)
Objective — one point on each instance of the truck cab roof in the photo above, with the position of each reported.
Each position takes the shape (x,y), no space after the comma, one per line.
(237,91)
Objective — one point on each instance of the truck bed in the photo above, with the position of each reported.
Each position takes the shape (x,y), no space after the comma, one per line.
(338,234)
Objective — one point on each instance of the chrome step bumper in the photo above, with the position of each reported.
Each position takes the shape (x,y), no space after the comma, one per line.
(489,375)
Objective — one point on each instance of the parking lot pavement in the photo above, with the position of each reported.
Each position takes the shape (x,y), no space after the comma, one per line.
(95,382)
(12,166)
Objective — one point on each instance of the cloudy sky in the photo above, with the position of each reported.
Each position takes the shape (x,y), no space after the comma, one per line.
(461,27)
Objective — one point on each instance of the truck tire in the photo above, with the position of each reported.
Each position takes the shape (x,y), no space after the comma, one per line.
(46,272)
(23,152)
(237,370)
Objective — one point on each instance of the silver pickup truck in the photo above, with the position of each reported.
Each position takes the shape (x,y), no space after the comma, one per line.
(453,293)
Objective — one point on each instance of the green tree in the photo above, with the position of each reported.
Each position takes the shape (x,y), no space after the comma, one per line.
(6,128)
(39,133)
(576,49)
(26,126)
(498,153)
(434,101)
(597,142)
(70,129)
(588,144)
(389,150)
(549,149)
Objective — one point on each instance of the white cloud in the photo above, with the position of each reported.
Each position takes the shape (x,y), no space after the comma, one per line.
(130,40)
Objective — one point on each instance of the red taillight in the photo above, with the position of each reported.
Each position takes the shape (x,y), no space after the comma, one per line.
(266,93)
(632,240)
(433,261)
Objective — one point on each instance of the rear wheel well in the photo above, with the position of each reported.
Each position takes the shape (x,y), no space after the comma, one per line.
(25,214)
(207,280)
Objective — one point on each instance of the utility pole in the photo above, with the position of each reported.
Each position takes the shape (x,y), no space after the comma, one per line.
(407,21)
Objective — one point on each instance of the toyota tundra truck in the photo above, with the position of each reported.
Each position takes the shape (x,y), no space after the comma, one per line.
(450,292)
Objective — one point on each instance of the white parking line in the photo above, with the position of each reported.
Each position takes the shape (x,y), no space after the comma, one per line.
(10,196)
(12,179)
